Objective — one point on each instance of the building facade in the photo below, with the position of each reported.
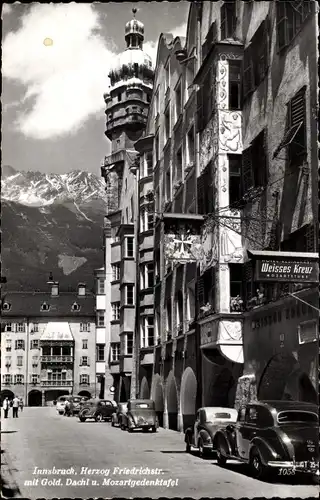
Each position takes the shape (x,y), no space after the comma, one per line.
(127,103)
(48,344)
(279,174)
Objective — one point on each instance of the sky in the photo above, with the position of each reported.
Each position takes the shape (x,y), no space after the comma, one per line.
(55,64)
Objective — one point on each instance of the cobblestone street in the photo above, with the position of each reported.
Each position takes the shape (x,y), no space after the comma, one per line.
(40,438)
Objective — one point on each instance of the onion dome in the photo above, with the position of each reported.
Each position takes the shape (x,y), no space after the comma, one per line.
(133,63)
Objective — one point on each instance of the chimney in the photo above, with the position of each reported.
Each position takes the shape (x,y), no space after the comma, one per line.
(81,289)
(54,289)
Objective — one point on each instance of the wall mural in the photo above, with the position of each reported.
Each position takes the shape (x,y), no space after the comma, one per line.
(230,332)
(246,390)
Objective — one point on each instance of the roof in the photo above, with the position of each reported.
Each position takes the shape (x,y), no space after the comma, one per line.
(29,304)
(56,330)
(283,255)
(290,405)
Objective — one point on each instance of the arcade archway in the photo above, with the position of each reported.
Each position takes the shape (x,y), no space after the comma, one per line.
(6,393)
(35,398)
(157,396)
(172,402)
(144,389)
(188,395)
(52,395)
(85,394)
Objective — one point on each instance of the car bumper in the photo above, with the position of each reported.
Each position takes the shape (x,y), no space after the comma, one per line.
(304,467)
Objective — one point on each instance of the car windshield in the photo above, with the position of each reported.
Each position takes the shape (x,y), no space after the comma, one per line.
(62,399)
(297,416)
(212,415)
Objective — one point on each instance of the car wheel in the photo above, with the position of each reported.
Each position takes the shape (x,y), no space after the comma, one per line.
(188,445)
(258,469)
(202,451)
(221,454)
(60,412)
(98,417)
(153,428)
(82,419)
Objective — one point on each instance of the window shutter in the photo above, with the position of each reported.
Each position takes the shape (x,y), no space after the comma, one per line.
(200,119)
(247,176)
(248,281)
(200,291)
(223,26)
(88,361)
(298,107)
(200,194)
(248,74)
(310,239)
(282,25)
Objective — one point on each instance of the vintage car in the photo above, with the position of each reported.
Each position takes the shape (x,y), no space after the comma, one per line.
(72,406)
(97,409)
(209,420)
(273,435)
(140,414)
(120,414)
(60,404)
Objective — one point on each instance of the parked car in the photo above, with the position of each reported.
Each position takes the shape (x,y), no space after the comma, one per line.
(97,409)
(141,414)
(120,414)
(209,420)
(271,435)
(61,401)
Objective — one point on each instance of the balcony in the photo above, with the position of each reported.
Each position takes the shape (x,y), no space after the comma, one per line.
(57,359)
(56,383)
(236,304)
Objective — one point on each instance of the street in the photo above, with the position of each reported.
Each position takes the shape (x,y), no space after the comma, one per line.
(97,460)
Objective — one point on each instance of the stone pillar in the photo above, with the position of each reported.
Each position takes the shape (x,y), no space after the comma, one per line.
(51,351)
(180,422)
(43,398)
(224,288)
(165,420)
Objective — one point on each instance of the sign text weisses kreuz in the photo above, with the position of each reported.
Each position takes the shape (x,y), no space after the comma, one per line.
(291,271)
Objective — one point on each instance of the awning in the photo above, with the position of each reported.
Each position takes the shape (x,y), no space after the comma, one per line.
(274,255)
(57,331)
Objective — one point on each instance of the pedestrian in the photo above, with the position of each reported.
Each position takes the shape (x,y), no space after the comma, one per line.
(21,404)
(6,406)
(15,406)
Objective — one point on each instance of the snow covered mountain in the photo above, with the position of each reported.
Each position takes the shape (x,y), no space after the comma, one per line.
(51,222)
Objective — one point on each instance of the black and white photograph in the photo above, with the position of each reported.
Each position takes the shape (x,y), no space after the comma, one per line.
(160,250)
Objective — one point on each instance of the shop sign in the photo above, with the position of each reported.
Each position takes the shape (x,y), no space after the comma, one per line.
(287,271)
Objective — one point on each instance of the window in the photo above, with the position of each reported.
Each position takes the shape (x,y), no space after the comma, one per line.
(84,327)
(84,379)
(179,165)
(20,327)
(146,219)
(157,103)
(35,328)
(75,307)
(129,246)
(57,375)
(190,147)
(167,75)
(147,332)
(115,351)
(168,185)
(18,379)
(236,279)
(115,272)
(84,343)
(8,327)
(127,215)
(179,309)
(34,344)
(156,147)
(205,193)
(150,275)
(100,352)
(8,361)
(178,100)
(235,84)
(190,72)
(190,302)
(228,19)
(129,298)
(254,164)
(290,17)
(129,343)
(7,379)
(45,307)
(100,318)
(115,311)
(148,163)
(234,179)
(167,124)
(255,60)
(19,360)
(84,361)
(210,40)
(296,137)
(19,344)
(168,316)
(119,97)
(205,100)
(8,345)
(100,287)
(34,378)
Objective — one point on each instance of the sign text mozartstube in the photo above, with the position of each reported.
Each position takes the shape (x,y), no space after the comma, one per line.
(286,270)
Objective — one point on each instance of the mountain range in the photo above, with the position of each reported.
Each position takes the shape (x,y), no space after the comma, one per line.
(51,223)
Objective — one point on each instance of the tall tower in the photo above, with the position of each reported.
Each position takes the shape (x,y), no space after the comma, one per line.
(129,95)
(127,102)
